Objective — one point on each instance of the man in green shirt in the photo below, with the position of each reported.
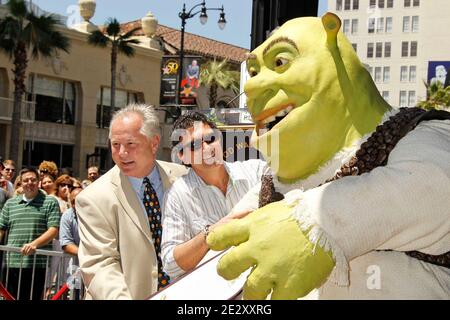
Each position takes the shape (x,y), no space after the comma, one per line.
(32,221)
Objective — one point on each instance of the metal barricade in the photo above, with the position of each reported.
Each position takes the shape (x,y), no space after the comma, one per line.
(62,276)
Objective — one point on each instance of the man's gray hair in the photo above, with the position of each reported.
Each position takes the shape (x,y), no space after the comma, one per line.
(150,126)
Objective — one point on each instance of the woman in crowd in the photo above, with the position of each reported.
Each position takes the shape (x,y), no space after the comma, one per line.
(9,170)
(48,184)
(18,186)
(48,167)
(64,185)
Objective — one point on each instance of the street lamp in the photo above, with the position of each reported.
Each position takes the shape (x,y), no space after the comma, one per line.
(185,15)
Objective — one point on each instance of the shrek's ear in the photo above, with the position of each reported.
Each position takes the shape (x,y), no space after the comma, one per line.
(332,24)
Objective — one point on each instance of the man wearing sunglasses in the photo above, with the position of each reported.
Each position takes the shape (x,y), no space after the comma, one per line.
(205,197)
(9,170)
(6,174)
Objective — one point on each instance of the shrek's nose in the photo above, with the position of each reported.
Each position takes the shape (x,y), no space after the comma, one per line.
(258,85)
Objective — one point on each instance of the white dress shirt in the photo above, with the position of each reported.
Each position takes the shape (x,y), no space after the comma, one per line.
(190,204)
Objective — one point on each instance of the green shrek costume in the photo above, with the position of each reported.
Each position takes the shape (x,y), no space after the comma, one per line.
(365,188)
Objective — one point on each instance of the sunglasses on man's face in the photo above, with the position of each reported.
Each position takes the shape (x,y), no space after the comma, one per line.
(195,145)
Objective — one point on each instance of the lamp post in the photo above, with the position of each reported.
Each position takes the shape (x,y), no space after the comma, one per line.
(185,15)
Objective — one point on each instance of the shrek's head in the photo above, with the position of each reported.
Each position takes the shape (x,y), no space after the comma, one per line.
(309,96)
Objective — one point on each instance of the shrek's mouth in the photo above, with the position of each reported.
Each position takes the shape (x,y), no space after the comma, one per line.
(271,121)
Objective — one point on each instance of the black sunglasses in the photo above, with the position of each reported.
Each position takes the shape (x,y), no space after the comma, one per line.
(66,185)
(197,144)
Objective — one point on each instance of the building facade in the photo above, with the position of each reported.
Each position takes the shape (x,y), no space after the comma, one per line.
(400,41)
(66,111)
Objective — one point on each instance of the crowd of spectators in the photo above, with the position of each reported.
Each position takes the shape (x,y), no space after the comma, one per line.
(51,183)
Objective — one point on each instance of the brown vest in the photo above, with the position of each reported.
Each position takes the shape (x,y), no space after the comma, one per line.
(373,153)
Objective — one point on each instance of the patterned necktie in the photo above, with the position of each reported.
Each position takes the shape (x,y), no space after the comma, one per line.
(153,210)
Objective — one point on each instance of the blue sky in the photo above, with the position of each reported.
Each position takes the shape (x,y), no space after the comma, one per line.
(238,14)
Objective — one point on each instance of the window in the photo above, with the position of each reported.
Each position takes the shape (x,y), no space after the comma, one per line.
(389,3)
(416,3)
(386,74)
(371,25)
(380,4)
(354,47)
(415,24)
(34,152)
(372,3)
(405,24)
(412,74)
(355,4)
(55,99)
(104,110)
(346,26)
(403,98)
(354,26)
(388,25)
(405,48)
(403,73)
(347,5)
(411,98)
(370,50)
(105,161)
(413,52)
(407,3)
(387,49)
(377,74)
(385,95)
(338,5)
(380,25)
(379,50)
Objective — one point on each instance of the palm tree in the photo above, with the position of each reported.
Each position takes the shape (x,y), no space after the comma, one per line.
(215,74)
(21,31)
(120,43)
(438,97)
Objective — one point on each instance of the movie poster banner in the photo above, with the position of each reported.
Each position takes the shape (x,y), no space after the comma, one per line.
(190,80)
(439,71)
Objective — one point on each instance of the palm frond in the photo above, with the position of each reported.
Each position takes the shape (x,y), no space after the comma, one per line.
(129,34)
(126,49)
(42,38)
(98,38)
(438,97)
(18,8)
(131,41)
(8,46)
(113,27)
(9,34)
(214,74)
(60,42)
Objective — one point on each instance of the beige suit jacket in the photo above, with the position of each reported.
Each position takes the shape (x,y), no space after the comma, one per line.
(116,253)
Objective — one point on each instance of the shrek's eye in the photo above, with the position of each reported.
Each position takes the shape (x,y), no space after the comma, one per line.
(281,62)
(252,72)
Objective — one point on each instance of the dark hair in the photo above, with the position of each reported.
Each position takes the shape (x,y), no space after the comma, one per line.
(29,169)
(187,121)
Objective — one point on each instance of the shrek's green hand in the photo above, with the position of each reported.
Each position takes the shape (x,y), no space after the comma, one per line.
(271,241)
